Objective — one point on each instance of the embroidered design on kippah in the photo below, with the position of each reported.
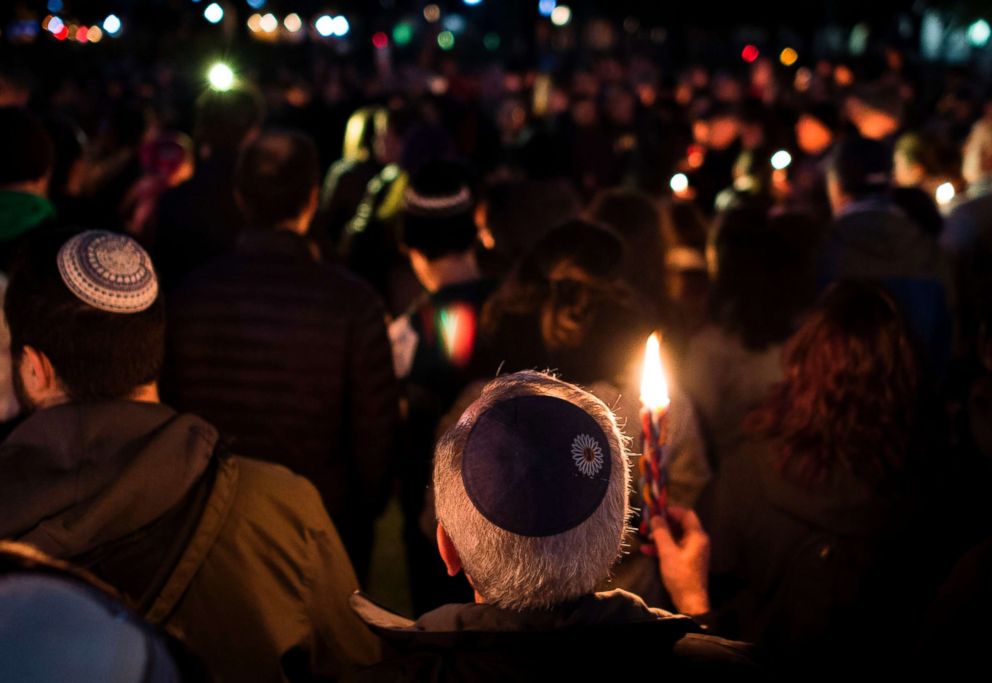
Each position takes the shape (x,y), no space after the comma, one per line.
(587,455)
(109,272)
(439,206)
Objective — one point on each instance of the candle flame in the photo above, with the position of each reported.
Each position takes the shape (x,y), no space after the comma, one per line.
(654,388)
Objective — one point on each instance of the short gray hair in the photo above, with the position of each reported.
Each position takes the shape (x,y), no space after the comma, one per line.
(524,572)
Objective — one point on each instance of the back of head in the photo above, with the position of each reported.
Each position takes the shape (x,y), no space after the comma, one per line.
(848,400)
(224,120)
(531,487)
(28,152)
(439,211)
(764,273)
(977,157)
(276,177)
(861,167)
(364,126)
(91,304)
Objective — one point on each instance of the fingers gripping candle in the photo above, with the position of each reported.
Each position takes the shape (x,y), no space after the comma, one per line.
(654,433)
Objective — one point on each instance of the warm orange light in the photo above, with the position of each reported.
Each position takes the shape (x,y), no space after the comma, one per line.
(654,387)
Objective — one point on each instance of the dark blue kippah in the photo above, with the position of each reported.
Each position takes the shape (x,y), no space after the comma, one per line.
(536,465)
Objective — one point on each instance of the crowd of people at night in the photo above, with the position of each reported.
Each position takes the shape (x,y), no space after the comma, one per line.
(241,323)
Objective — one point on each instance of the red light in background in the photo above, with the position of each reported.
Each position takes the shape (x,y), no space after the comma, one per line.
(749,53)
(380,40)
(62,34)
(82,34)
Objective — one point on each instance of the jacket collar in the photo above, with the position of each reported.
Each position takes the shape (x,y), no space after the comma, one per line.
(76,476)
(481,623)
(270,241)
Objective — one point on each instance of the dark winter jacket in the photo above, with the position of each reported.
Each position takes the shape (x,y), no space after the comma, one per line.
(236,558)
(289,357)
(196,221)
(829,574)
(874,240)
(610,636)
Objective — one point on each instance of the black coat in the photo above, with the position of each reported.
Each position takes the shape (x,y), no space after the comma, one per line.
(829,574)
(600,637)
(289,357)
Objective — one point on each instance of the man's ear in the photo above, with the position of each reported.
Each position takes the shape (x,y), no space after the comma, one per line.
(38,377)
(449,554)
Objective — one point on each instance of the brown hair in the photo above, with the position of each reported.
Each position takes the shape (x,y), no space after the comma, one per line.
(849,394)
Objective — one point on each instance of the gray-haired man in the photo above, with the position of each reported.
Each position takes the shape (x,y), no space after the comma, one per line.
(531,488)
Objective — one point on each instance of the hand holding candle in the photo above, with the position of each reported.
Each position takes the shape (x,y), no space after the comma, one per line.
(654,434)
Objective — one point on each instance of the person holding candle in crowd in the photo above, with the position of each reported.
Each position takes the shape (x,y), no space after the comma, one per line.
(816,520)
(532,499)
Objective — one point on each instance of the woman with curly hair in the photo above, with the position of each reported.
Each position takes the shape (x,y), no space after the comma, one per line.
(811,521)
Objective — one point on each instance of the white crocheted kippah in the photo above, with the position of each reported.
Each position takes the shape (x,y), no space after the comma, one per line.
(109,272)
(439,206)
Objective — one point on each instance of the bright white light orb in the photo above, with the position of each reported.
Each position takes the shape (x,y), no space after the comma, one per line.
(781,159)
(221,77)
(979,33)
(679,183)
(112,24)
(213,13)
(945,194)
(561,15)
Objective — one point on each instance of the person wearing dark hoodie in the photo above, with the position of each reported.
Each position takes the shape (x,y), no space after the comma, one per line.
(203,211)
(236,558)
(25,170)
(815,522)
(871,238)
(531,489)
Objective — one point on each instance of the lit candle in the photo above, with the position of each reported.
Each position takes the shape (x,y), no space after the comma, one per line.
(654,433)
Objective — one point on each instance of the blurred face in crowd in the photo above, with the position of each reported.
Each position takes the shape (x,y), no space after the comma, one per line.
(977,154)
(813,137)
(906,172)
(723,130)
(620,107)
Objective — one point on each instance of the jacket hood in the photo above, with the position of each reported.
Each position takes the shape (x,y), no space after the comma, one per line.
(484,625)
(883,231)
(76,476)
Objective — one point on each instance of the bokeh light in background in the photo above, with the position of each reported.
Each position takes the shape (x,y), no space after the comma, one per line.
(55,5)
(94,34)
(269,23)
(472,3)
(403,33)
(679,183)
(788,56)
(750,54)
(256,4)
(546,7)
(781,159)
(561,15)
(324,25)
(432,13)
(112,24)
(945,194)
(979,33)
(446,40)
(340,26)
(292,22)
(213,13)
(221,77)
(380,41)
